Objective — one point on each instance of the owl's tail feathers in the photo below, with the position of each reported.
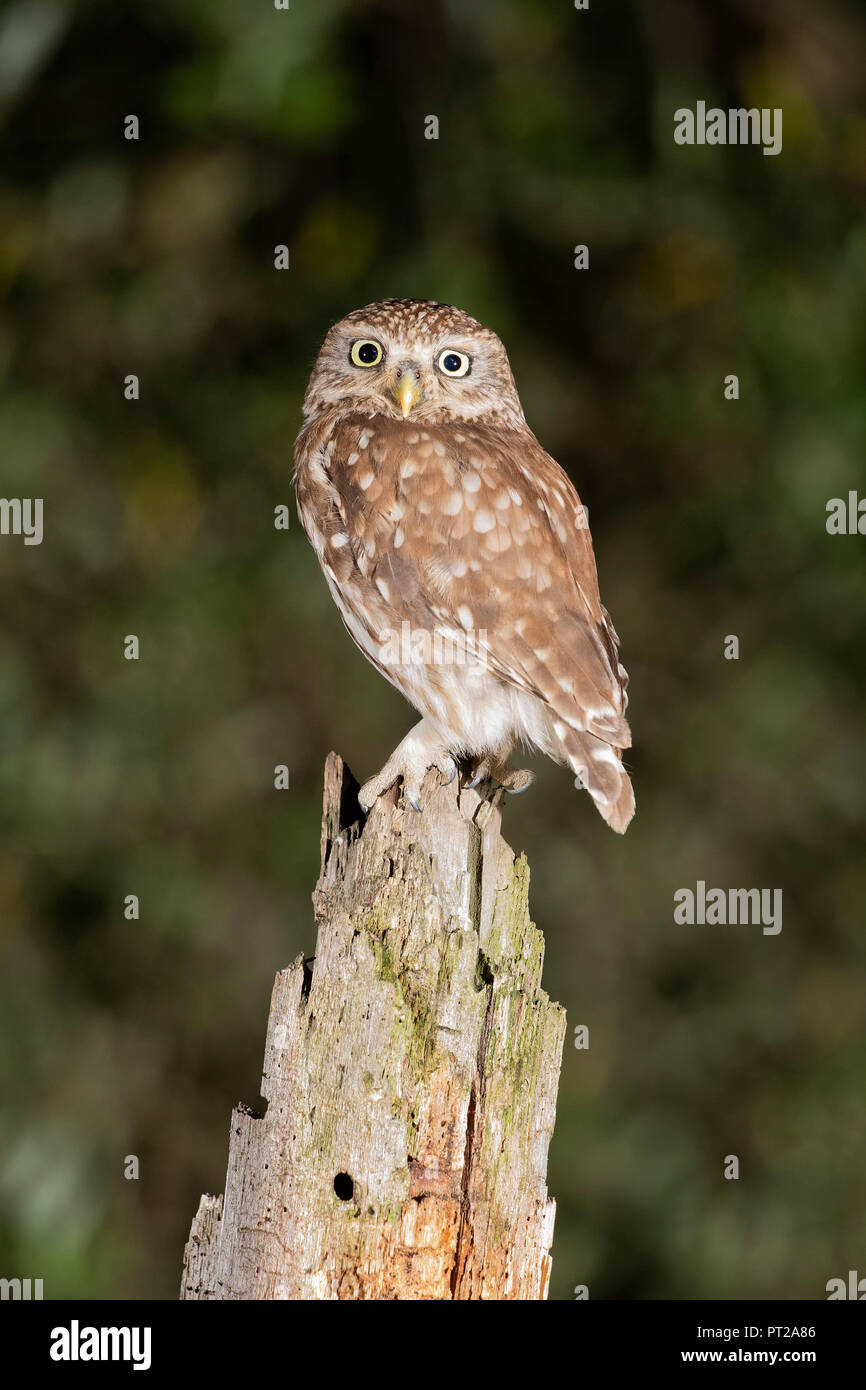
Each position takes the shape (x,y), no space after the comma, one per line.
(598,767)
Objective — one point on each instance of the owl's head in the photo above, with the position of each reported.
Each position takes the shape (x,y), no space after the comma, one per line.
(414,358)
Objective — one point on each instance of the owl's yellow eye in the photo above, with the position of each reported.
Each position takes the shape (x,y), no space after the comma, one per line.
(366,352)
(453,363)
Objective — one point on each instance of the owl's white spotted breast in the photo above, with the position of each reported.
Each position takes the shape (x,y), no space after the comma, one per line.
(463,531)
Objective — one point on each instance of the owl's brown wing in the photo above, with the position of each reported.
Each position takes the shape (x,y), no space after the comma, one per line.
(463,528)
(553,634)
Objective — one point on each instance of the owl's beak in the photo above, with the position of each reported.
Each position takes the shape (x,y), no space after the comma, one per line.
(406,388)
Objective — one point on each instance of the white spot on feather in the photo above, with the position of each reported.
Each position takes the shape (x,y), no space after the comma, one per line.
(604,754)
(498,541)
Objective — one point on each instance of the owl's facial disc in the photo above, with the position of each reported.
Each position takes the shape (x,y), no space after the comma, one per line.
(414,359)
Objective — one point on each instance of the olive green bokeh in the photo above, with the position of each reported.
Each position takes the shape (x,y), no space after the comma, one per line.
(261,127)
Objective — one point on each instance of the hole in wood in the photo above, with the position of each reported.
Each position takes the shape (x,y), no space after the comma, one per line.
(344,1187)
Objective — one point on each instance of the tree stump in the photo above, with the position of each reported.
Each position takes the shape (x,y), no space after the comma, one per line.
(410,1076)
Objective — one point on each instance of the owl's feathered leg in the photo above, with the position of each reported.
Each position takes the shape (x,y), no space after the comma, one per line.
(420,749)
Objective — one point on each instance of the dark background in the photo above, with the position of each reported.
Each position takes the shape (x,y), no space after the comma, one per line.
(155,777)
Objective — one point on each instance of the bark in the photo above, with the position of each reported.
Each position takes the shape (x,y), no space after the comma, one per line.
(410,1076)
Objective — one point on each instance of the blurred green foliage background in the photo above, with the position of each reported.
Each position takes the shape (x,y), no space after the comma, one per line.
(155,777)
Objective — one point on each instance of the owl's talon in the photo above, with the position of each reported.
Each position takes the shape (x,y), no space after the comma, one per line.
(448,768)
(489,769)
(420,750)
(370,793)
(482,771)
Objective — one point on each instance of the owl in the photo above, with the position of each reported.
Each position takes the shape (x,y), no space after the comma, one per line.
(458,554)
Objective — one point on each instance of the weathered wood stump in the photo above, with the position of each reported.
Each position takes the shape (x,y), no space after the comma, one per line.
(410,1073)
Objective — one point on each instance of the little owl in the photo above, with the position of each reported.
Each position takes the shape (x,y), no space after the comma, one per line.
(458,554)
